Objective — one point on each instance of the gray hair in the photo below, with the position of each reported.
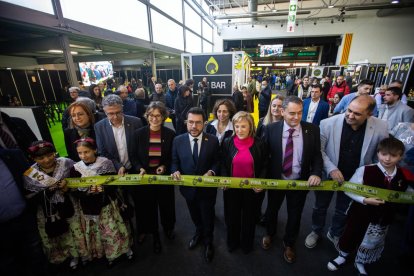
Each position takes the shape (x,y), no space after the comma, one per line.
(89,102)
(291,99)
(73,88)
(111,100)
(122,87)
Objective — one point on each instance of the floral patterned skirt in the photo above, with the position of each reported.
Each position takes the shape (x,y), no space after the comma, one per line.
(107,234)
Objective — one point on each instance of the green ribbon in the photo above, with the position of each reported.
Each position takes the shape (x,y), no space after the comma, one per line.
(241,183)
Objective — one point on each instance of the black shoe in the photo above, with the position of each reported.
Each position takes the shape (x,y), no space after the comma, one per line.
(209,252)
(194,241)
(157,244)
(170,234)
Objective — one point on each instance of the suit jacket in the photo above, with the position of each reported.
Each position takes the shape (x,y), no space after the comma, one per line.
(105,140)
(321,113)
(142,139)
(312,163)
(21,131)
(331,132)
(182,161)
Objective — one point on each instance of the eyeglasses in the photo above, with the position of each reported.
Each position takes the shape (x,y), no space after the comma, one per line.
(113,114)
(158,116)
(197,123)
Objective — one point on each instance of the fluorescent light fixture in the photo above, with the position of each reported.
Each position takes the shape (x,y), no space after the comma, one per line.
(53,51)
(8,68)
(282,64)
(331,6)
(314,63)
(301,64)
(253,64)
(264,64)
(395,2)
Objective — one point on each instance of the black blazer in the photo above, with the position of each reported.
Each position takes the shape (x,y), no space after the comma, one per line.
(182,161)
(21,131)
(142,136)
(312,163)
(71,135)
(258,151)
(210,129)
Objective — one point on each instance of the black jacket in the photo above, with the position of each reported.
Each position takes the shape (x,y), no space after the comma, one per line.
(258,151)
(210,129)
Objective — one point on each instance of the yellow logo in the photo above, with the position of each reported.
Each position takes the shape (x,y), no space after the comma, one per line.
(212,66)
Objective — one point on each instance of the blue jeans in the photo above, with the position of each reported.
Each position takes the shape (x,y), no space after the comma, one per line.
(322,202)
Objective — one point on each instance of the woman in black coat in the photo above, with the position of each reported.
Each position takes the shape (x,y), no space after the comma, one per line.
(182,104)
(154,157)
(81,125)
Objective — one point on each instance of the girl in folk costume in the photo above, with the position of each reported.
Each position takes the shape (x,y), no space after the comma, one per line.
(105,230)
(57,222)
(370,217)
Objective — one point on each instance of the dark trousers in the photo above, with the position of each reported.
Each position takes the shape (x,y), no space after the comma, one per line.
(240,213)
(21,250)
(356,226)
(154,199)
(295,201)
(202,212)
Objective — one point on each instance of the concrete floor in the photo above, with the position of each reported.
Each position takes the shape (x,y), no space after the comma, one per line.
(176,259)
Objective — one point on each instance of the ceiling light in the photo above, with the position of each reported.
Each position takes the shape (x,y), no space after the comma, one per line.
(73,52)
(55,51)
(274,10)
(8,68)
(331,6)
(264,64)
(395,2)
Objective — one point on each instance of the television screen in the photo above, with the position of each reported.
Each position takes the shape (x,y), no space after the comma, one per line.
(95,72)
(271,50)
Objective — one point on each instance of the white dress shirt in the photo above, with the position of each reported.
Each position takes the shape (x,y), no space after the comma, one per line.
(312,110)
(121,144)
(199,137)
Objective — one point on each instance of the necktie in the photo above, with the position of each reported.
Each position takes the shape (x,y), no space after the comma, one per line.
(195,151)
(288,158)
(7,139)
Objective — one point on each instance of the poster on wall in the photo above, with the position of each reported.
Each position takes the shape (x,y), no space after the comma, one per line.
(372,70)
(393,69)
(403,73)
(317,72)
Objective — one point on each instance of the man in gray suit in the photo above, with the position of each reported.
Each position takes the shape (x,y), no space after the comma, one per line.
(348,141)
(393,110)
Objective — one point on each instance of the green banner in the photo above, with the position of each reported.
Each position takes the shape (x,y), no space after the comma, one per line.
(243,183)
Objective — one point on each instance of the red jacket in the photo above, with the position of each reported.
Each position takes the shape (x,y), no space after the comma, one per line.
(343,88)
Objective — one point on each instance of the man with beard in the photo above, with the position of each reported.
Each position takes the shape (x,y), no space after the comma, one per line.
(337,87)
(303,89)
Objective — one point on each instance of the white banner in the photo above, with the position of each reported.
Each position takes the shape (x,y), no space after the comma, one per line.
(293,7)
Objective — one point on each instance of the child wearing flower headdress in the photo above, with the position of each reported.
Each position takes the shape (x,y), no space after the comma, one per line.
(56,217)
(105,230)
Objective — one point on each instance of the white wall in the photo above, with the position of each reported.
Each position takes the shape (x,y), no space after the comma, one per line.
(375,39)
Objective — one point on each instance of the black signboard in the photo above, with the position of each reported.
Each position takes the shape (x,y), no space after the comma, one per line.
(405,68)
(379,74)
(218,84)
(372,70)
(393,69)
(208,65)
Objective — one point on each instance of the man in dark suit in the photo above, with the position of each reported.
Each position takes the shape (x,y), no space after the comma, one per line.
(315,109)
(115,139)
(294,154)
(195,153)
(15,133)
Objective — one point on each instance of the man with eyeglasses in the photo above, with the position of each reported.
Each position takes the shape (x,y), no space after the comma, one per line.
(195,153)
(115,137)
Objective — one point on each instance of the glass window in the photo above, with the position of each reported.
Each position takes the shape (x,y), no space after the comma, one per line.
(166,32)
(207,31)
(129,18)
(192,19)
(193,42)
(207,47)
(173,8)
(38,5)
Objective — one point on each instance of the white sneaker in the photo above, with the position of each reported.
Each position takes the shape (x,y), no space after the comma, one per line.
(333,239)
(312,240)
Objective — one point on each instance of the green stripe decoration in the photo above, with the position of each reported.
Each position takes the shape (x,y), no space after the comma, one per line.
(240,183)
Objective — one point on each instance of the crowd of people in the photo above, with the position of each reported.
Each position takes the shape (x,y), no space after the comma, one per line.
(299,137)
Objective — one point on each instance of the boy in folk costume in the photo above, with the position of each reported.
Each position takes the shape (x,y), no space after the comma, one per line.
(370,217)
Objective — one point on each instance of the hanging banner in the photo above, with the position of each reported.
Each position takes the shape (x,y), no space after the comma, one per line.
(393,69)
(241,183)
(293,7)
(404,71)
